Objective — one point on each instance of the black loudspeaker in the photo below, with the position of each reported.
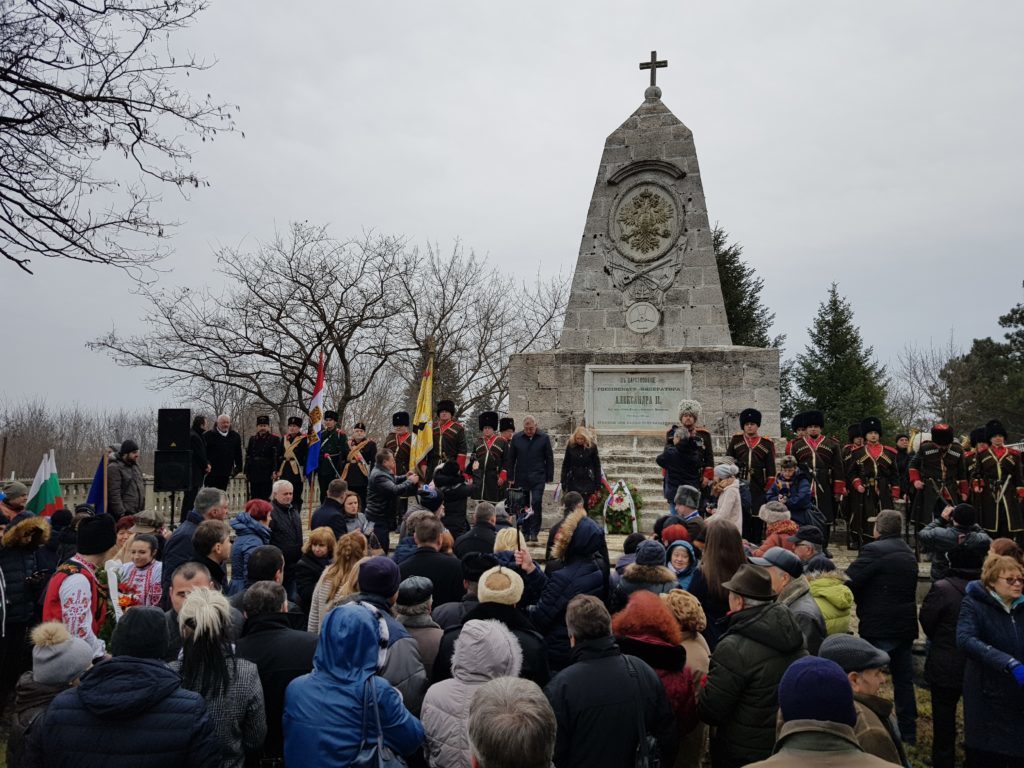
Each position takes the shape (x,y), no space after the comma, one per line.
(172,470)
(172,427)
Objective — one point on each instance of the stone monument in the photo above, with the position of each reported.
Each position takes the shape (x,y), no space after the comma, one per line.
(646,324)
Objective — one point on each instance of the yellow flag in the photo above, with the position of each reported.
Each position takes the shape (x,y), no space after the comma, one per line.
(422,422)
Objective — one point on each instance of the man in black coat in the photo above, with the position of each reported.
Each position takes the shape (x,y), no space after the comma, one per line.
(479,538)
(883,579)
(600,698)
(499,590)
(200,465)
(262,459)
(223,453)
(211,504)
(286,532)
(382,494)
(279,652)
(443,570)
(129,706)
(531,464)
(331,514)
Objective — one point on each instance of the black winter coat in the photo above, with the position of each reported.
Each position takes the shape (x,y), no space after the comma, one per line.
(940,612)
(581,470)
(382,491)
(683,465)
(531,461)
(307,573)
(286,535)
(177,551)
(331,515)
(20,546)
(30,703)
(992,640)
(597,700)
(126,712)
(883,579)
(535,658)
(455,493)
(740,694)
(223,452)
(197,443)
(445,571)
(281,654)
(480,538)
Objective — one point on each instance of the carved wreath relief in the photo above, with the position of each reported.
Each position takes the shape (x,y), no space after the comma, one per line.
(644,227)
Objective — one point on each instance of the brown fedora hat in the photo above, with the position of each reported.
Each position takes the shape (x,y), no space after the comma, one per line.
(751,581)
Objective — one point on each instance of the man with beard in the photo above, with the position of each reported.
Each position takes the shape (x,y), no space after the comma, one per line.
(874,480)
(362,453)
(489,474)
(223,452)
(262,459)
(333,453)
(755,456)
(821,458)
(938,475)
(126,488)
(293,463)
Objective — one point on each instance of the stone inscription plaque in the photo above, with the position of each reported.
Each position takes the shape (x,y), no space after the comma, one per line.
(634,398)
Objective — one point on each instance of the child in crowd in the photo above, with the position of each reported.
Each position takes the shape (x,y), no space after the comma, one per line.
(144,572)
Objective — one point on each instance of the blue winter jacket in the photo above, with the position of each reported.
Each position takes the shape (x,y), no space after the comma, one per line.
(798,496)
(324,711)
(579,543)
(177,551)
(126,712)
(993,641)
(249,534)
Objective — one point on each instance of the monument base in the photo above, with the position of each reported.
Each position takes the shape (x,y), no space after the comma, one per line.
(629,399)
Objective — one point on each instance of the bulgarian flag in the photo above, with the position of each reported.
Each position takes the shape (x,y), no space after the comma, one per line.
(45,498)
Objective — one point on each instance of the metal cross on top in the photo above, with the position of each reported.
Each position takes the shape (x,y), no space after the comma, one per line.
(654,65)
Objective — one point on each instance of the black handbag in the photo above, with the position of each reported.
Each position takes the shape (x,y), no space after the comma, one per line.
(373,754)
(648,754)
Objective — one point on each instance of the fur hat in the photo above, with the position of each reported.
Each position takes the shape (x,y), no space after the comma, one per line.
(500,585)
(687,610)
(476,564)
(774,512)
(691,407)
(814,419)
(750,415)
(978,436)
(798,422)
(942,434)
(871,424)
(993,428)
(488,419)
(400,419)
(506,423)
(446,405)
(294,421)
(854,431)
(333,415)
(687,496)
(96,535)
(57,657)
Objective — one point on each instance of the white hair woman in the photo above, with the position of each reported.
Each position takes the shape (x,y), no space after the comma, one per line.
(230,685)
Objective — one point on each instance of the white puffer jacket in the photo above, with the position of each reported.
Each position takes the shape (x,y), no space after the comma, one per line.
(483,651)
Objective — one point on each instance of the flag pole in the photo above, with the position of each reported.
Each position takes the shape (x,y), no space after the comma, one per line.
(106,461)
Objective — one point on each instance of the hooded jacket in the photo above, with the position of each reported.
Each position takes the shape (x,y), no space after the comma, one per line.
(30,703)
(402,666)
(685,576)
(740,695)
(578,546)
(992,640)
(249,534)
(324,711)
(798,495)
(19,548)
(658,579)
(938,537)
(834,599)
(484,650)
(797,597)
(126,710)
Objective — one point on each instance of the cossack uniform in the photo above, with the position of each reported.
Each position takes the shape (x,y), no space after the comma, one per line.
(333,450)
(821,458)
(293,463)
(489,473)
(399,442)
(263,454)
(874,479)
(755,457)
(362,453)
(938,464)
(1001,481)
(449,441)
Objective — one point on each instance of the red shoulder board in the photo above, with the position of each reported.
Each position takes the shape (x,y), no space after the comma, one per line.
(1012,450)
(767,439)
(889,448)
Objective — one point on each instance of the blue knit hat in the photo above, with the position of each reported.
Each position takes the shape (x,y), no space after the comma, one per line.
(650,552)
(816,689)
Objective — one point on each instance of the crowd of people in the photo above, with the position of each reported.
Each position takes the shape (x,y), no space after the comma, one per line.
(246,638)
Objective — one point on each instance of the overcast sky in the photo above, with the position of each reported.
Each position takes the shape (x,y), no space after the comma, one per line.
(877,145)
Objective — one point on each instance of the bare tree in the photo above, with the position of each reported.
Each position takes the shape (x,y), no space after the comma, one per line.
(83,82)
(918,394)
(477,317)
(260,338)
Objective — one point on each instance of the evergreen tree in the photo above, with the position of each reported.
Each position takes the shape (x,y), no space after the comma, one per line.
(749,321)
(836,373)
